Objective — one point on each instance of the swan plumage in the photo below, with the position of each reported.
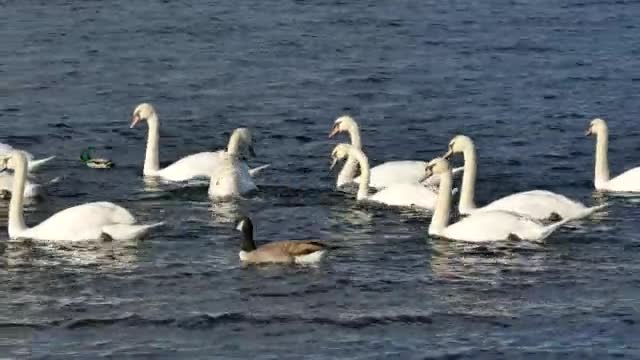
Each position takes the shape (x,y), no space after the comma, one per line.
(484,226)
(231,179)
(628,181)
(538,204)
(399,194)
(199,165)
(382,175)
(33,164)
(90,221)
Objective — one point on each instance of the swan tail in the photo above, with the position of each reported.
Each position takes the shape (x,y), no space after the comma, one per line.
(589,211)
(36,164)
(258,170)
(129,232)
(548,230)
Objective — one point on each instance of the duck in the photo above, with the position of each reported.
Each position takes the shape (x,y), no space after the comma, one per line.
(232,179)
(90,221)
(399,194)
(382,175)
(95,163)
(282,252)
(33,164)
(199,165)
(538,204)
(628,181)
(484,226)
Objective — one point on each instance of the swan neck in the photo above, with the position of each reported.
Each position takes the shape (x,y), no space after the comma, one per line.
(348,172)
(602,158)
(151,159)
(16,207)
(467,196)
(440,218)
(354,134)
(361,158)
(234,143)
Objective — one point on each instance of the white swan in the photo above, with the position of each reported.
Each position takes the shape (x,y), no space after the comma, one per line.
(400,194)
(495,225)
(231,179)
(628,181)
(202,164)
(6,149)
(538,204)
(31,189)
(91,221)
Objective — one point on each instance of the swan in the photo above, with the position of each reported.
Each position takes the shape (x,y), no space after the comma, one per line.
(538,204)
(483,226)
(31,189)
(399,194)
(232,179)
(284,251)
(385,174)
(628,181)
(90,221)
(202,164)
(33,165)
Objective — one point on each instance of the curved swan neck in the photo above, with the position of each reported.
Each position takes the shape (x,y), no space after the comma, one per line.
(348,172)
(467,197)
(354,135)
(234,143)
(361,158)
(440,218)
(151,159)
(16,207)
(602,159)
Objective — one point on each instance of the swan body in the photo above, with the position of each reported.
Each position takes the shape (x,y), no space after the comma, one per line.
(485,226)
(199,165)
(284,252)
(91,221)
(385,174)
(231,179)
(628,181)
(399,194)
(537,204)
(33,164)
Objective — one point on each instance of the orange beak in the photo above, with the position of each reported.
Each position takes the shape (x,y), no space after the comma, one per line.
(335,130)
(134,120)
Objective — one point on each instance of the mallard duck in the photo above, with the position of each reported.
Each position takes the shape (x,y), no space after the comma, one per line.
(95,163)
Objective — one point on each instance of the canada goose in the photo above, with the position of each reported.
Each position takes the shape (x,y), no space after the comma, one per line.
(285,251)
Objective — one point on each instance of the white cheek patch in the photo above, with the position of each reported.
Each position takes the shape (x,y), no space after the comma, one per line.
(240,225)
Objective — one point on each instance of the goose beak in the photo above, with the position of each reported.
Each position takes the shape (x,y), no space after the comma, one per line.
(334,131)
(134,120)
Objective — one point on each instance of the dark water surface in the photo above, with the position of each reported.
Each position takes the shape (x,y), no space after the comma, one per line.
(523,78)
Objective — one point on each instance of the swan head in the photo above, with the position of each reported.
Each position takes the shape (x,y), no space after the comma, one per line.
(437,166)
(596,126)
(340,152)
(12,160)
(458,144)
(142,112)
(343,123)
(242,137)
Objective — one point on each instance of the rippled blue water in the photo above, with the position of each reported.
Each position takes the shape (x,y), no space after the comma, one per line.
(523,78)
